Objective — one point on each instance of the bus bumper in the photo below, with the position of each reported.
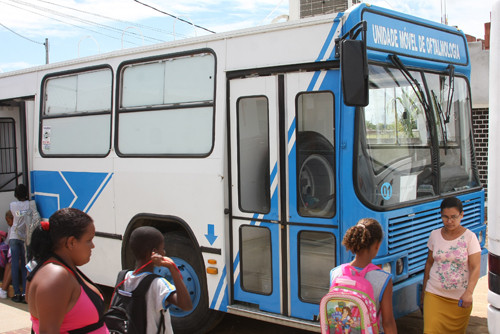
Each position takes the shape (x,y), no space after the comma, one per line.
(406,296)
(494,292)
(493,312)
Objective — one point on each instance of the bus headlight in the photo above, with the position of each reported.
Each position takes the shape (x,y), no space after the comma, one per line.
(400,266)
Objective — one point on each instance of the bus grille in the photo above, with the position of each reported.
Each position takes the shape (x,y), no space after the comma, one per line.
(410,232)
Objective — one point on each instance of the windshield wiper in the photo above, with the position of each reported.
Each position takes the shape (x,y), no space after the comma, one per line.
(417,89)
(451,90)
(442,119)
(415,85)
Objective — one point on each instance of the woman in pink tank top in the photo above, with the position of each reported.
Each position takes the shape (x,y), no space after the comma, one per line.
(61,298)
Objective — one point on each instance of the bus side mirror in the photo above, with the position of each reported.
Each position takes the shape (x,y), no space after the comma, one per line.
(354,71)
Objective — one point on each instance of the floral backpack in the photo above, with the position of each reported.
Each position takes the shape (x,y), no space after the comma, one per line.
(349,306)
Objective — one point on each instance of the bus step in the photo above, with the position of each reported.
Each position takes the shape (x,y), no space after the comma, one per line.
(279,319)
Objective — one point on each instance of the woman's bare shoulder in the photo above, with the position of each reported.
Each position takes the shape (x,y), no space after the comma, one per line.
(53,275)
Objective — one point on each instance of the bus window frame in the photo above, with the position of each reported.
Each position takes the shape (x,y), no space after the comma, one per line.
(334,169)
(439,194)
(238,157)
(242,276)
(119,110)
(299,262)
(10,163)
(42,107)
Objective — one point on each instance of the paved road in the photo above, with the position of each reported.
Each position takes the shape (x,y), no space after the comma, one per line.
(14,319)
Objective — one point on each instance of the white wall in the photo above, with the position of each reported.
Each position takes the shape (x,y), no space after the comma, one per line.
(479,75)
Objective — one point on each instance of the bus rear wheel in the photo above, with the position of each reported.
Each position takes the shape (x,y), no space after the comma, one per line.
(200,319)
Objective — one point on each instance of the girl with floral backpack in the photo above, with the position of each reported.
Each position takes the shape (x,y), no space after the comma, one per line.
(366,284)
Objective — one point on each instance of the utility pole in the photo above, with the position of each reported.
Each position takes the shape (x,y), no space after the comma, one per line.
(46,50)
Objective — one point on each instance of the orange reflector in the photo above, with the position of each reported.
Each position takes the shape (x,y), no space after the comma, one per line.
(212,261)
(212,270)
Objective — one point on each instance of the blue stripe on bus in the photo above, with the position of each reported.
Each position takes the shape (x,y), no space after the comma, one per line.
(330,36)
(291,130)
(313,81)
(274,173)
(218,290)
(106,181)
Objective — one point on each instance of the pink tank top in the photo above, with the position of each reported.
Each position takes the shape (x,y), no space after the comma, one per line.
(82,314)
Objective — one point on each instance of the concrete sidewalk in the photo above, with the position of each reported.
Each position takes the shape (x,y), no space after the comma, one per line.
(14,318)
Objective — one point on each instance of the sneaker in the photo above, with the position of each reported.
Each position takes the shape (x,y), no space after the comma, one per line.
(23,299)
(17,298)
(3,294)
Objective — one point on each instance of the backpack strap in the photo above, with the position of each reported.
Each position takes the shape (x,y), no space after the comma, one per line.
(349,270)
(144,284)
(161,325)
(368,268)
(121,277)
(140,302)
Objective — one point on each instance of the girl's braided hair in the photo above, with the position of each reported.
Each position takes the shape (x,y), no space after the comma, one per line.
(362,235)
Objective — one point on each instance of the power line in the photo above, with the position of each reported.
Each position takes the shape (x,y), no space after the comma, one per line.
(111,18)
(175,17)
(78,26)
(78,19)
(12,31)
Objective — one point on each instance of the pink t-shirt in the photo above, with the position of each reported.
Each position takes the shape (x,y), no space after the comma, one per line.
(449,274)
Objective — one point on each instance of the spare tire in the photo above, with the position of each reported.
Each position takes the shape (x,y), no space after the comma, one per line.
(315,175)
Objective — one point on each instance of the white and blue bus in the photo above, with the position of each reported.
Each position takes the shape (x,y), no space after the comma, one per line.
(253,152)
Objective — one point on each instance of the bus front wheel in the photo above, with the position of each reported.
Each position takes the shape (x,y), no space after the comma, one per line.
(200,319)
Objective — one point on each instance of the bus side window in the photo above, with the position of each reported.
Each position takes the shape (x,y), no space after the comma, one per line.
(253,154)
(317,255)
(315,154)
(256,261)
(76,114)
(8,167)
(166,106)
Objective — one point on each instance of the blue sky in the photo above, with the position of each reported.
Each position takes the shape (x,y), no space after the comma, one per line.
(79,28)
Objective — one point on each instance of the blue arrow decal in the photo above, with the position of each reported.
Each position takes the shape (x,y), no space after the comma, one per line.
(211,237)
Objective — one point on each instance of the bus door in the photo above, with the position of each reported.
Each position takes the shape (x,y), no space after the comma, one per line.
(283,190)
(13,152)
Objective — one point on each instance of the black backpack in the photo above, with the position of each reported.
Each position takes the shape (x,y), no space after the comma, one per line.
(127,311)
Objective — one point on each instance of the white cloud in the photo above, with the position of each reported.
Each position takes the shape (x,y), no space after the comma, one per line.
(38,17)
(58,18)
(6,67)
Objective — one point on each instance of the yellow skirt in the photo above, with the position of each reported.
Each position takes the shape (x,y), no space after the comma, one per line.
(443,315)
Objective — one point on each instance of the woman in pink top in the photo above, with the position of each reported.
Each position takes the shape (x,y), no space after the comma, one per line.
(451,272)
(61,298)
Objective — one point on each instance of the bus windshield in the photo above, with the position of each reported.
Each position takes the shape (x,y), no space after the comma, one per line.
(406,152)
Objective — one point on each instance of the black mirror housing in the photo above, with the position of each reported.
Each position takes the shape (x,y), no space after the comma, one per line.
(354,72)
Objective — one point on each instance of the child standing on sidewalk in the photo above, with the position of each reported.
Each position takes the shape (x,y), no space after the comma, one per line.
(17,240)
(364,240)
(147,244)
